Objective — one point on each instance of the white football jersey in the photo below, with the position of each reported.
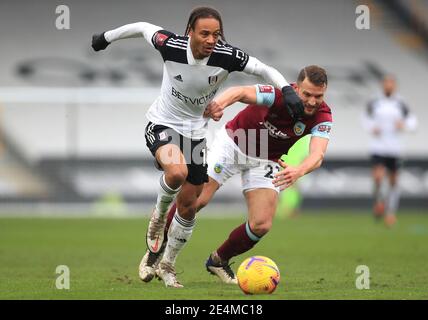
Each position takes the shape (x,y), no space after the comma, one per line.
(188,85)
(384,113)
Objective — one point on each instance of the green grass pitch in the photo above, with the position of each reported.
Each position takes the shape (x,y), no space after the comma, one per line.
(317,254)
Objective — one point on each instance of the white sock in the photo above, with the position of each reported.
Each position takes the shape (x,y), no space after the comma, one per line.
(179,233)
(165,196)
(393,200)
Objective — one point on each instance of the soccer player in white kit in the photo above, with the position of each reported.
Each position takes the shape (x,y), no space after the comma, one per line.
(195,65)
(386,118)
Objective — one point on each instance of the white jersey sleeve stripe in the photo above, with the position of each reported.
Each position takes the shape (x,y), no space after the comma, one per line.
(221,49)
(176,46)
(224,52)
(178,41)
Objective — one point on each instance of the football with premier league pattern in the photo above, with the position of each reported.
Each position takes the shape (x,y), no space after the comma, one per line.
(258,275)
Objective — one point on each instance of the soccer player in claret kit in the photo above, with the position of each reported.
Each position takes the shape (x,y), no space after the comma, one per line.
(195,65)
(251,144)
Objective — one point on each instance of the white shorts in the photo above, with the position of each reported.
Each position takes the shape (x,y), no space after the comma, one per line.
(225,159)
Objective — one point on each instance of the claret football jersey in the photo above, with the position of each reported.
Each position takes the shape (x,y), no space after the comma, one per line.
(268,131)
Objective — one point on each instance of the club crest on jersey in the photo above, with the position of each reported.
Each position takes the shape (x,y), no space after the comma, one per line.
(212,80)
(218,168)
(299,128)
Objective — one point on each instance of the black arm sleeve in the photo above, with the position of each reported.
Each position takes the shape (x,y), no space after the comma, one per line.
(369,108)
(160,38)
(404,109)
(239,60)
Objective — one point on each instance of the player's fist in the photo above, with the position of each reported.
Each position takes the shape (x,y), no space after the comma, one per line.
(293,103)
(399,125)
(99,42)
(287,176)
(376,131)
(214,111)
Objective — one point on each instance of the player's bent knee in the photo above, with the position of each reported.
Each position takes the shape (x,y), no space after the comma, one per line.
(260,228)
(177,174)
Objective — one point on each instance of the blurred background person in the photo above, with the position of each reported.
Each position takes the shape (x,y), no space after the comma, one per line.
(386,118)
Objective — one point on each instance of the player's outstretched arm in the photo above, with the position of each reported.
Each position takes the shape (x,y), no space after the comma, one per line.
(244,94)
(290,174)
(292,101)
(133,30)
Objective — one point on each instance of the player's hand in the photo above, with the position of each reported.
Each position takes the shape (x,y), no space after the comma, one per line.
(399,125)
(99,42)
(286,177)
(293,103)
(214,111)
(376,131)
